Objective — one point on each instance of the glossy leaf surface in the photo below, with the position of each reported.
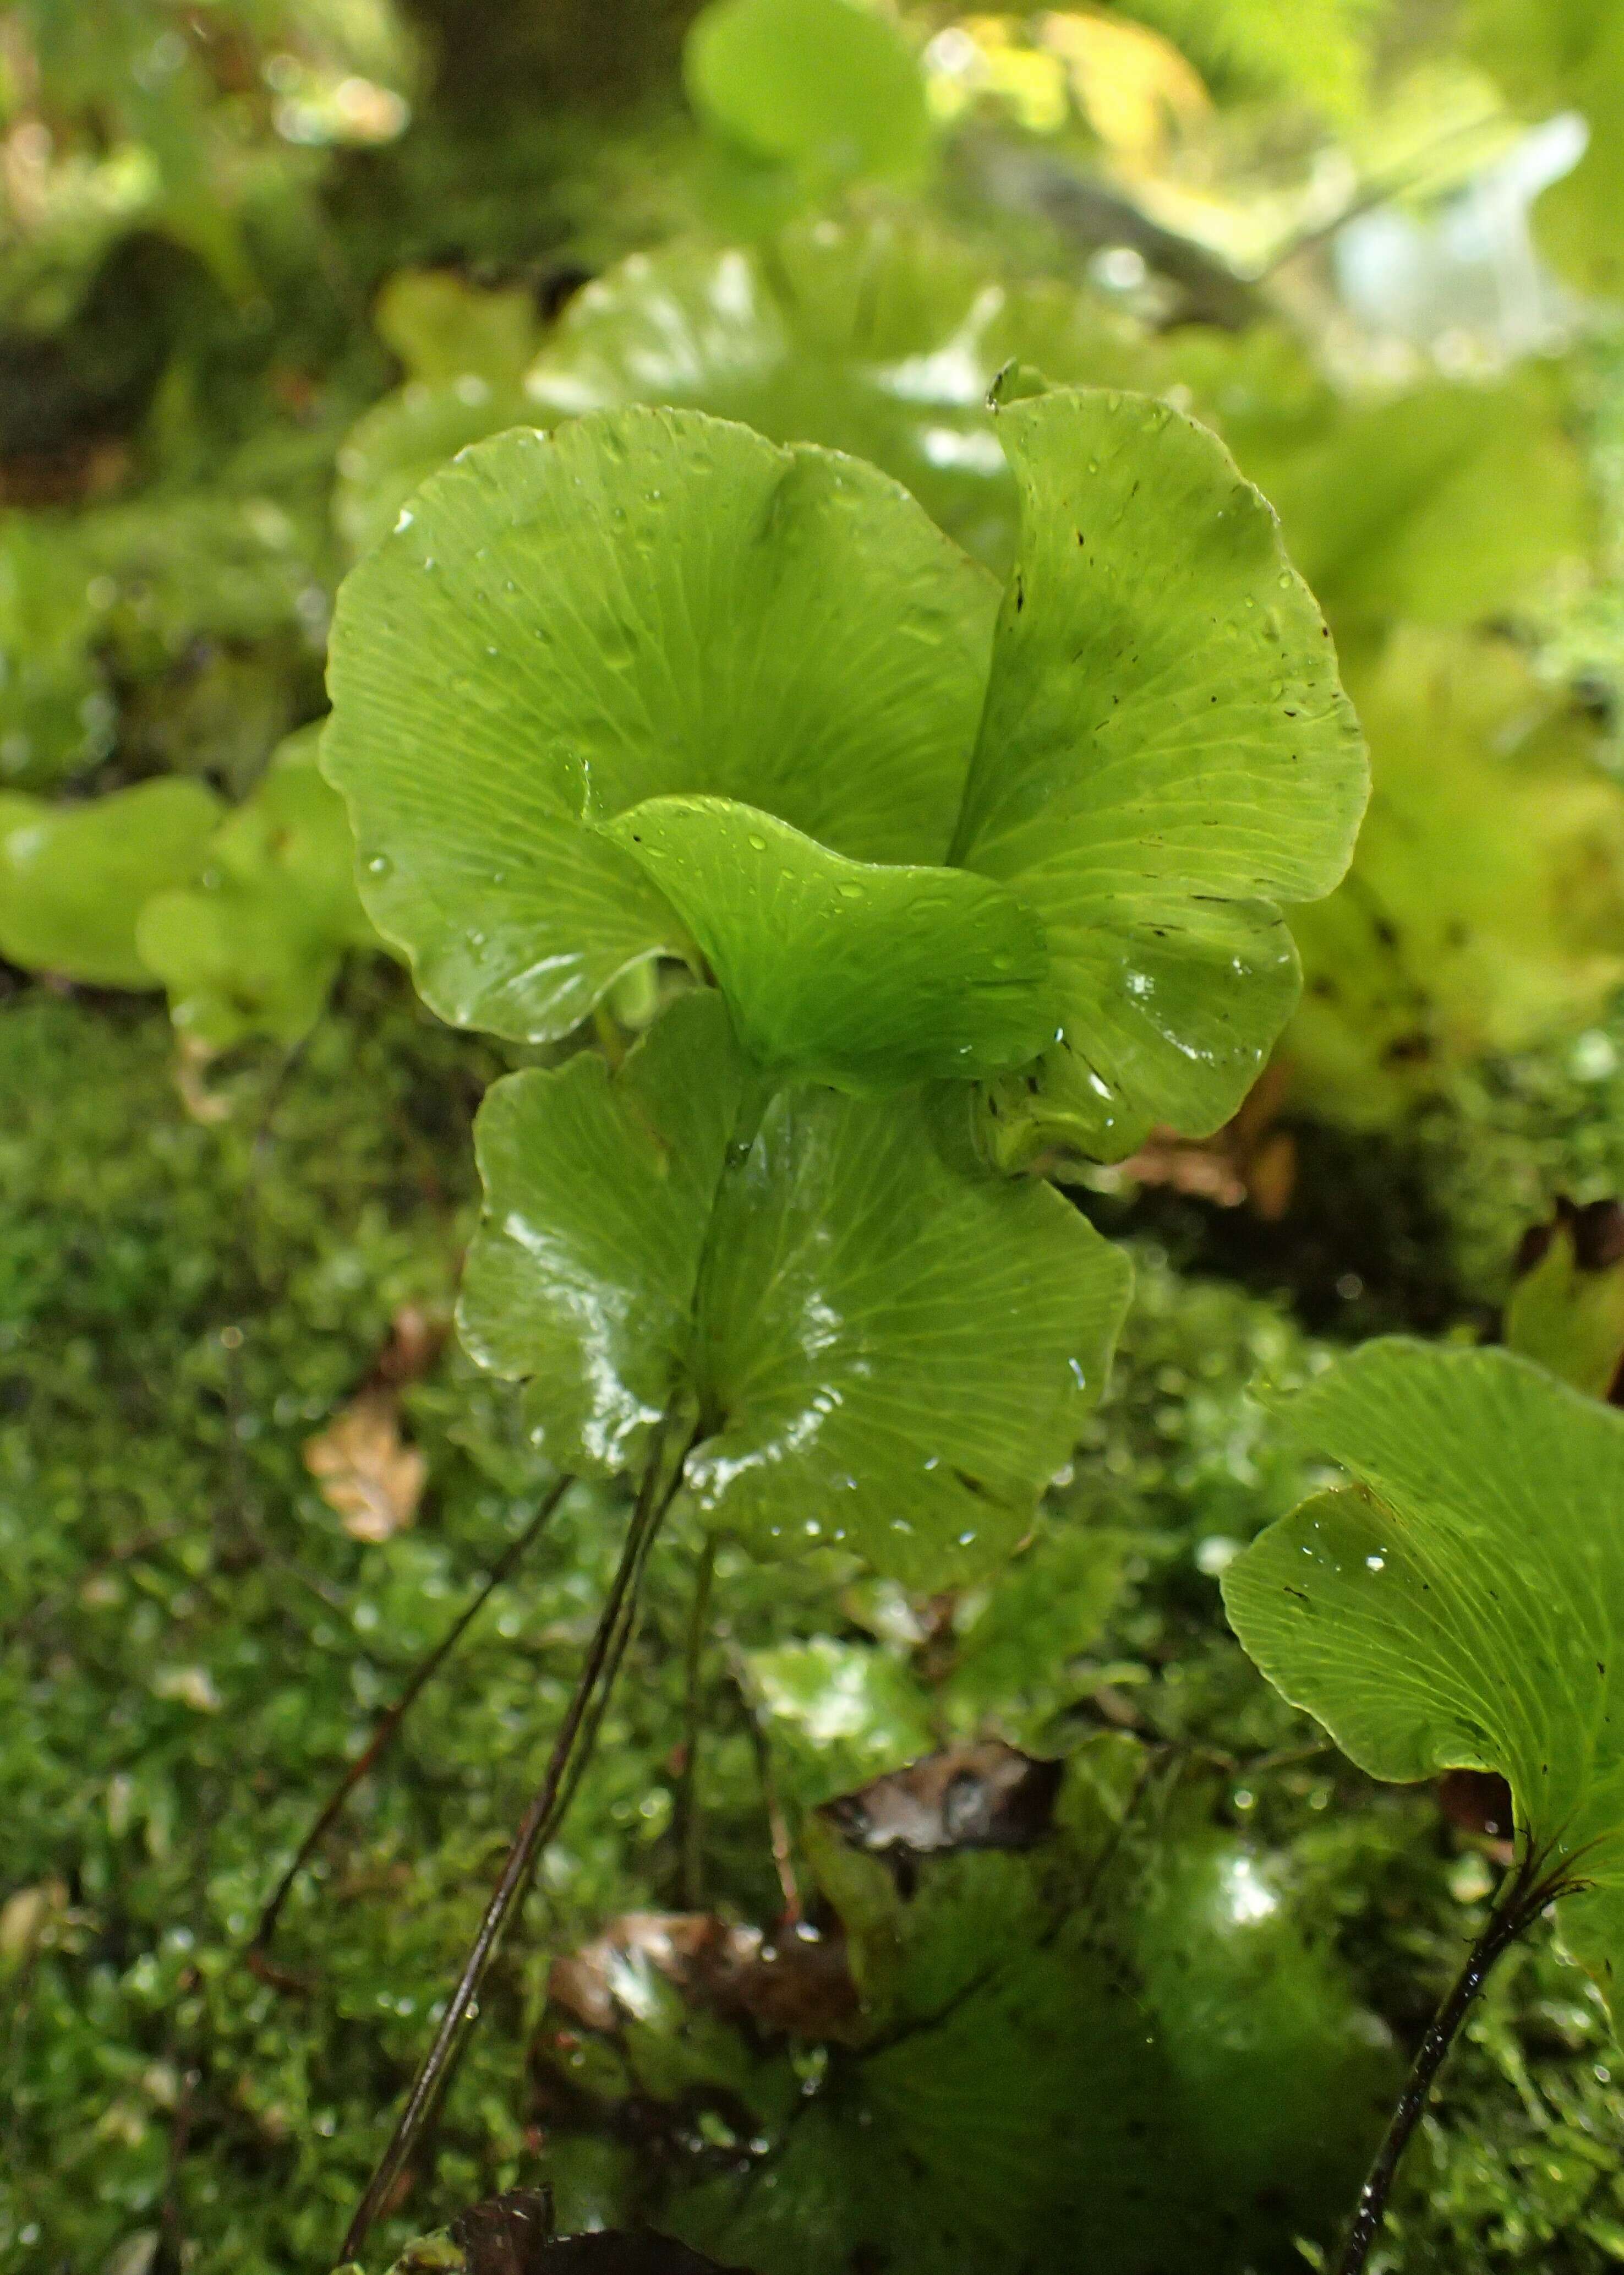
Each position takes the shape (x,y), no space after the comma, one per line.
(74,878)
(865,976)
(1165,757)
(651,603)
(887,1347)
(1462,1605)
(830,86)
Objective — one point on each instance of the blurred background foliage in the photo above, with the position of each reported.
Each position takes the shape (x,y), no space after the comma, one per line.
(265,265)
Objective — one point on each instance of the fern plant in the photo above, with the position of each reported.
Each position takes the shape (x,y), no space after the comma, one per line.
(935,884)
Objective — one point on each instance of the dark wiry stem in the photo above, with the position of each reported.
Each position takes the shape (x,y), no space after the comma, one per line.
(1520,1902)
(571,1752)
(777,1824)
(688,1819)
(387,1725)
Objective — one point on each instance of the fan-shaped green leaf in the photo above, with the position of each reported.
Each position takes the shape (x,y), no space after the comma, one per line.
(856,973)
(74,878)
(1073,2060)
(886,1346)
(830,86)
(650,603)
(1165,757)
(1462,1606)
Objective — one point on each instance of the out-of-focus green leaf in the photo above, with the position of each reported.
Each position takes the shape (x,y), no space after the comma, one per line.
(865,975)
(879,337)
(1165,757)
(849,1712)
(466,353)
(1442,504)
(74,878)
(56,713)
(886,1347)
(254,945)
(648,604)
(1566,1311)
(830,87)
(1010,1672)
(1551,55)
(1461,1606)
(1484,910)
(443,328)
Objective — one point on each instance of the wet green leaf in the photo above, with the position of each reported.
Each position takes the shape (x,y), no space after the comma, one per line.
(846,1711)
(1462,1606)
(1165,757)
(651,603)
(887,1347)
(862,975)
(74,878)
(830,86)
(466,353)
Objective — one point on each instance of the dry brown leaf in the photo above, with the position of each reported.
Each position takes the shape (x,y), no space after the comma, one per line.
(366,1469)
(796,1981)
(989,1796)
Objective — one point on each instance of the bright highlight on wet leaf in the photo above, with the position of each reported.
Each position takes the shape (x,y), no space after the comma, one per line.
(1461,1606)
(1165,758)
(885,1345)
(879,335)
(649,604)
(865,976)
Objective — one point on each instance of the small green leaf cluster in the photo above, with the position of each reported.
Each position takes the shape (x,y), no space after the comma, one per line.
(242,914)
